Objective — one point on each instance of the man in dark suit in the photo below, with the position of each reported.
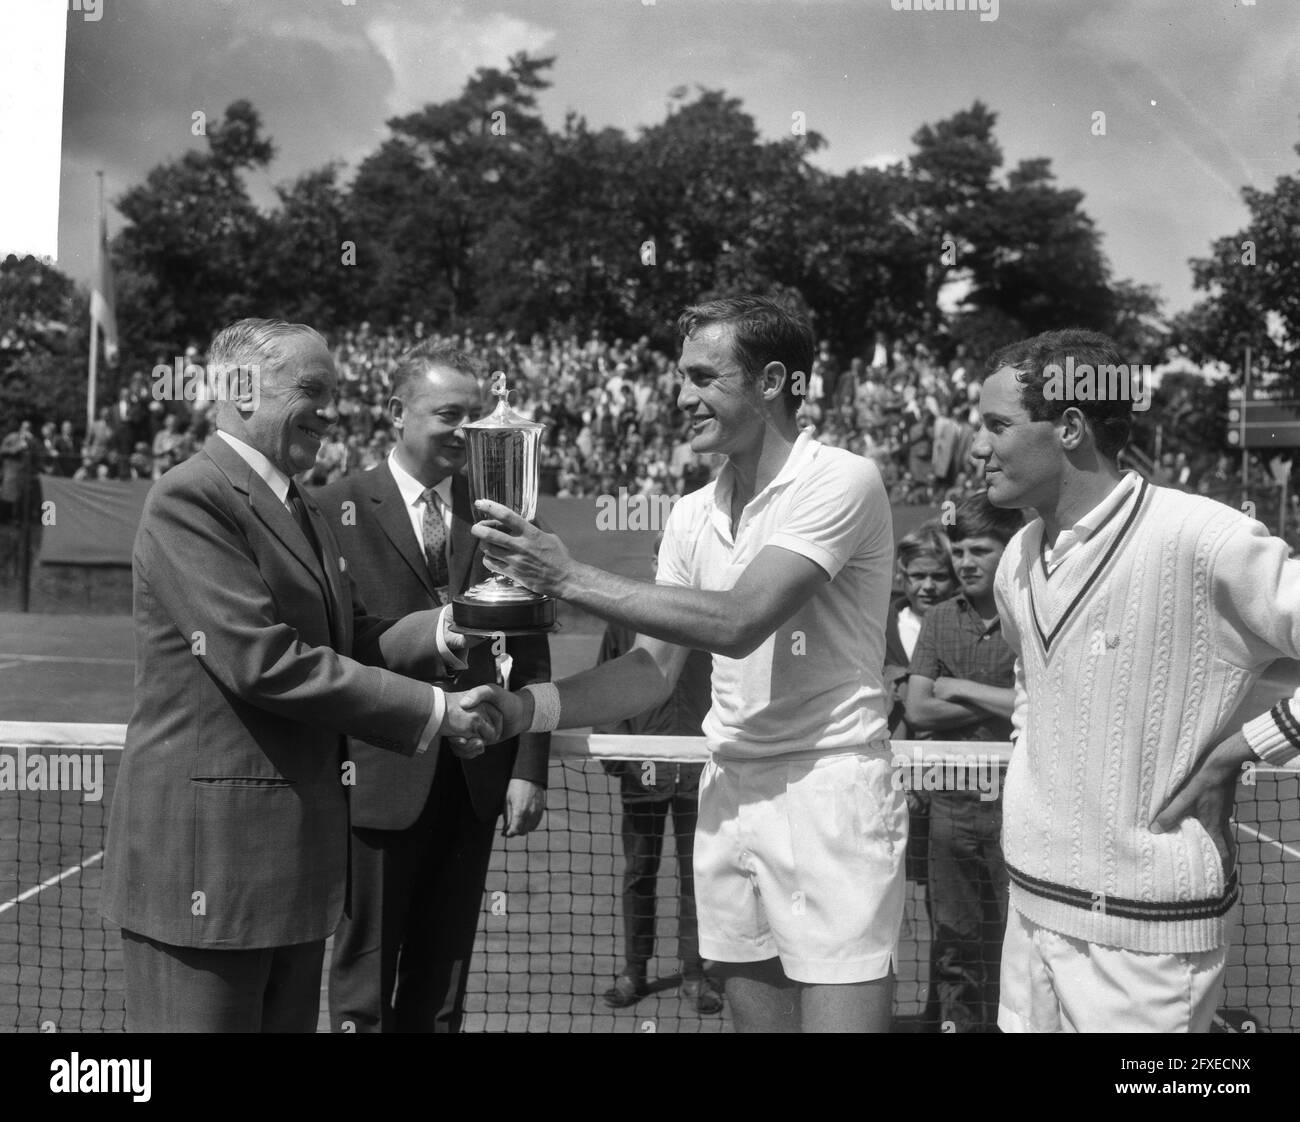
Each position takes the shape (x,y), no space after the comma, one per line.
(422,828)
(226,860)
(127,422)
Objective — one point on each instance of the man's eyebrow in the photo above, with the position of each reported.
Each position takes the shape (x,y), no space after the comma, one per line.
(694,368)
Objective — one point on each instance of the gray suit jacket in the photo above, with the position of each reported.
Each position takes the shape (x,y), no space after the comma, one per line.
(229,823)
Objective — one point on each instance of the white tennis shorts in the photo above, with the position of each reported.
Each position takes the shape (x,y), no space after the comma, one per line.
(802,860)
(1053,983)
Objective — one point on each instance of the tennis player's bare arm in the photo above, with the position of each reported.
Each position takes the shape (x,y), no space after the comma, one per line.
(732,622)
(613,691)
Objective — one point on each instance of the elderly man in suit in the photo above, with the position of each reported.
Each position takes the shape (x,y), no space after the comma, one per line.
(422,828)
(226,861)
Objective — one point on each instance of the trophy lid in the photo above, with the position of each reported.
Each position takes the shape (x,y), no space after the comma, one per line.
(503,417)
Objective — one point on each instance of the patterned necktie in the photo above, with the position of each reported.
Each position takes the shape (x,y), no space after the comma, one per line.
(435,545)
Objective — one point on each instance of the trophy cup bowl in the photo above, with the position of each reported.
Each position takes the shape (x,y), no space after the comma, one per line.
(503,466)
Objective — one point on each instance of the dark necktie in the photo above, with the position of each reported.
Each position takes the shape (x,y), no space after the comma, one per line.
(435,545)
(299,510)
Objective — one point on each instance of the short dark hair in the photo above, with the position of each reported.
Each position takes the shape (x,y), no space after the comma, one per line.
(416,362)
(976,517)
(926,540)
(1110,420)
(762,331)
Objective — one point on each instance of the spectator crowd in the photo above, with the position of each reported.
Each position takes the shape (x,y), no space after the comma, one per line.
(610,411)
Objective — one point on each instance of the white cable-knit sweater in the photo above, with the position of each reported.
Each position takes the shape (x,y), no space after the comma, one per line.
(1132,657)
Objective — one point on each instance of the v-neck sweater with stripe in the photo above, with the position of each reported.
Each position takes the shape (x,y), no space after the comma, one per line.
(1132,656)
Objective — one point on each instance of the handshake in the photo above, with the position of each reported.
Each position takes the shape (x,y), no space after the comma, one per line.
(482,716)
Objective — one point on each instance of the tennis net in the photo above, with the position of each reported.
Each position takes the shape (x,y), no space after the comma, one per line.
(550,936)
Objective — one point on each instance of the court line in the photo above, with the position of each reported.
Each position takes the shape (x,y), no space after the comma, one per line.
(68,658)
(69,872)
(1289,850)
(7,665)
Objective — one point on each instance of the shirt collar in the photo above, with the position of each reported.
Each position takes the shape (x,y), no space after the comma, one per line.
(271,475)
(1091,522)
(412,490)
(976,619)
(802,452)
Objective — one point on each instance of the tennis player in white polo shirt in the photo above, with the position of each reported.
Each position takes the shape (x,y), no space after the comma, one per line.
(781,568)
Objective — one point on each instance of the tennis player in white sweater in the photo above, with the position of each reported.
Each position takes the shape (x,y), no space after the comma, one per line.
(1140,617)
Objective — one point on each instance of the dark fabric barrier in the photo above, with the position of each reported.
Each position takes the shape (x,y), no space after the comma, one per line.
(89,523)
(94,523)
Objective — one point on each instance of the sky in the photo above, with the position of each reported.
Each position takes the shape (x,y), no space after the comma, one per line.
(1201,97)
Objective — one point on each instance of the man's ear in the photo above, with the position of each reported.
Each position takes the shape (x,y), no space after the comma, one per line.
(773,380)
(1073,427)
(243,387)
(397,411)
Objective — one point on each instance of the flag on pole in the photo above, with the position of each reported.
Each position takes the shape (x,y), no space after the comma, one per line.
(103,315)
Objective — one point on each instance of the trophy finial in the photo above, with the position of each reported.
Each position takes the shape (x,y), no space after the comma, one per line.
(499,384)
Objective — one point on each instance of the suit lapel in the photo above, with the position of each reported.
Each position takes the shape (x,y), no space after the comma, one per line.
(275,516)
(391,514)
(463,543)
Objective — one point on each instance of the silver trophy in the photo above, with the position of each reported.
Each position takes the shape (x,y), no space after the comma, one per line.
(503,450)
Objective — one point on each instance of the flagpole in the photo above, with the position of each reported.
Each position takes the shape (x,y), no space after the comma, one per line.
(94,326)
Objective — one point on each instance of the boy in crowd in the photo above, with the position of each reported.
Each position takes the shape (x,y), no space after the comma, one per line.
(962,685)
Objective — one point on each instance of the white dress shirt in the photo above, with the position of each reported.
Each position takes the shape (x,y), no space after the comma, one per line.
(412,492)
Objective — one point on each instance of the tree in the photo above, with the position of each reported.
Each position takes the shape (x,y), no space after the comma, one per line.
(43,344)
(307,277)
(424,201)
(1252,279)
(193,256)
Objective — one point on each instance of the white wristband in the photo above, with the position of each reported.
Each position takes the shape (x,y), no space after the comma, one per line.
(546,706)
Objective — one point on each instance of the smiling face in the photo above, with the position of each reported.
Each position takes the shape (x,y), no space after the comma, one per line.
(428,417)
(295,404)
(725,410)
(1023,459)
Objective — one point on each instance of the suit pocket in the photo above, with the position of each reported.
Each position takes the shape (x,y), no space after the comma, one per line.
(241,781)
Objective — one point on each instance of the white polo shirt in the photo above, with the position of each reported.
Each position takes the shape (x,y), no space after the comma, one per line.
(814,685)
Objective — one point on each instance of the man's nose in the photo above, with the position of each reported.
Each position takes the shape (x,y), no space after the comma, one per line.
(979,447)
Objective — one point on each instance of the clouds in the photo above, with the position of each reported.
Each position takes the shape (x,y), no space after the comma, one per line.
(1162,184)
(430,55)
(324,76)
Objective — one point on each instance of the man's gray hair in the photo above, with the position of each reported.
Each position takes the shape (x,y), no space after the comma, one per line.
(256,342)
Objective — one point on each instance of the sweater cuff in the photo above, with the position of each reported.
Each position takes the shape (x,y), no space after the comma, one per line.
(1274,736)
